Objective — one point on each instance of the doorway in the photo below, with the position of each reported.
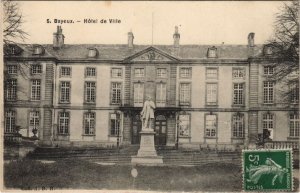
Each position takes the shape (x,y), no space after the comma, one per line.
(160,130)
(136,128)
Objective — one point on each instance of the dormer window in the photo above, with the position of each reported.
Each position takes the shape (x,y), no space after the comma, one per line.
(92,52)
(12,49)
(268,50)
(38,50)
(212,52)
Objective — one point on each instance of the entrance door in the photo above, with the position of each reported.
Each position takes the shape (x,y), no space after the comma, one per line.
(160,130)
(136,128)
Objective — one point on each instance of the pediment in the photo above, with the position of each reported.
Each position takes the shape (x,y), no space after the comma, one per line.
(151,54)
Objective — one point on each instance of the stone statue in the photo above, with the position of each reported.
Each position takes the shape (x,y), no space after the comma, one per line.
(147,113)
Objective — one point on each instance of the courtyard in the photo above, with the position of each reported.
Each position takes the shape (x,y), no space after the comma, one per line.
(81,174)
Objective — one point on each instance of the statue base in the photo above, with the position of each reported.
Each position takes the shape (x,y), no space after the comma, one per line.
(147,154)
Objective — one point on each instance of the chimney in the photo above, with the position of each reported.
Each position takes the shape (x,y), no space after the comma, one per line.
(251,39)
(58,38)
(130,39)
(251,45)
(176,37)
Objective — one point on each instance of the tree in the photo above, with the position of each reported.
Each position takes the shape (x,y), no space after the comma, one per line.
(12,23)
(285,48)
(13,33)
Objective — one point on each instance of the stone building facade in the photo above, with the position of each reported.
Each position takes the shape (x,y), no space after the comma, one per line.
(92,94)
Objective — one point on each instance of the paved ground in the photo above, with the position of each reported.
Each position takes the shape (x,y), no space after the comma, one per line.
(80,174)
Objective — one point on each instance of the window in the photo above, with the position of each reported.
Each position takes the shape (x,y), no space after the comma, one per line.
(185,73)
(116,72)
(63,122)
(34,122)
(138,94)
(139,72)
(184,125)
(65,92)
(238,94)
(161,73)
(13,50)
(294,92)
(268,70)
(65,71)
(10,122)
(268,92)
(114,124)
(268,50)
(211,93)
(161,94)
(210,125)
(294,125)
(238,73)
(268,123)
(11,90)
(238,126)
(90,92)
(116,93)
(212,52)
(89,123)
(36,90)
(212,73)
(12,69)
(185,94)
(90,72)
(36,69)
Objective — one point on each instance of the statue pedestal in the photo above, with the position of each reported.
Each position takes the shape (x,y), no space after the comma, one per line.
(147,154)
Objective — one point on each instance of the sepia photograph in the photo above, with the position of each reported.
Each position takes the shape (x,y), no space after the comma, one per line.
(150,96)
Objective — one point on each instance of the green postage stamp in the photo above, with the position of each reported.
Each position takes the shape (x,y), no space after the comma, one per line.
(267,170)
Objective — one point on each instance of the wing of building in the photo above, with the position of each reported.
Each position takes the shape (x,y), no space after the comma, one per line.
(92,94)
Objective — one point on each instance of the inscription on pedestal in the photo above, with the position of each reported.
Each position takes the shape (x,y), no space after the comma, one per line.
(147,140)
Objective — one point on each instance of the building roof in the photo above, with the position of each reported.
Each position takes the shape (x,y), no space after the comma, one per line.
(122,51)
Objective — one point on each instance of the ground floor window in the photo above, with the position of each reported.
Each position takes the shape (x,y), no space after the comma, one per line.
(34,123)
(89,123)
(268,125)
(115,124)
(10,122)
(63,122)
(184,126)
(238,126)
(210,125)
(294,125)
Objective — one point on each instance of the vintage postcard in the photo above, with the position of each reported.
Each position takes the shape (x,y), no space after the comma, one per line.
(133,96)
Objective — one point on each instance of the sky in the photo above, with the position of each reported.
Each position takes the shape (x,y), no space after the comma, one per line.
(199,22)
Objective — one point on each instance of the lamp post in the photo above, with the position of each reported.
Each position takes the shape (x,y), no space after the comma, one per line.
(177,128)
(118,130)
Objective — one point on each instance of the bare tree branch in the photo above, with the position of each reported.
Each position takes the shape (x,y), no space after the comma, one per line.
(286,48)
(12,23)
